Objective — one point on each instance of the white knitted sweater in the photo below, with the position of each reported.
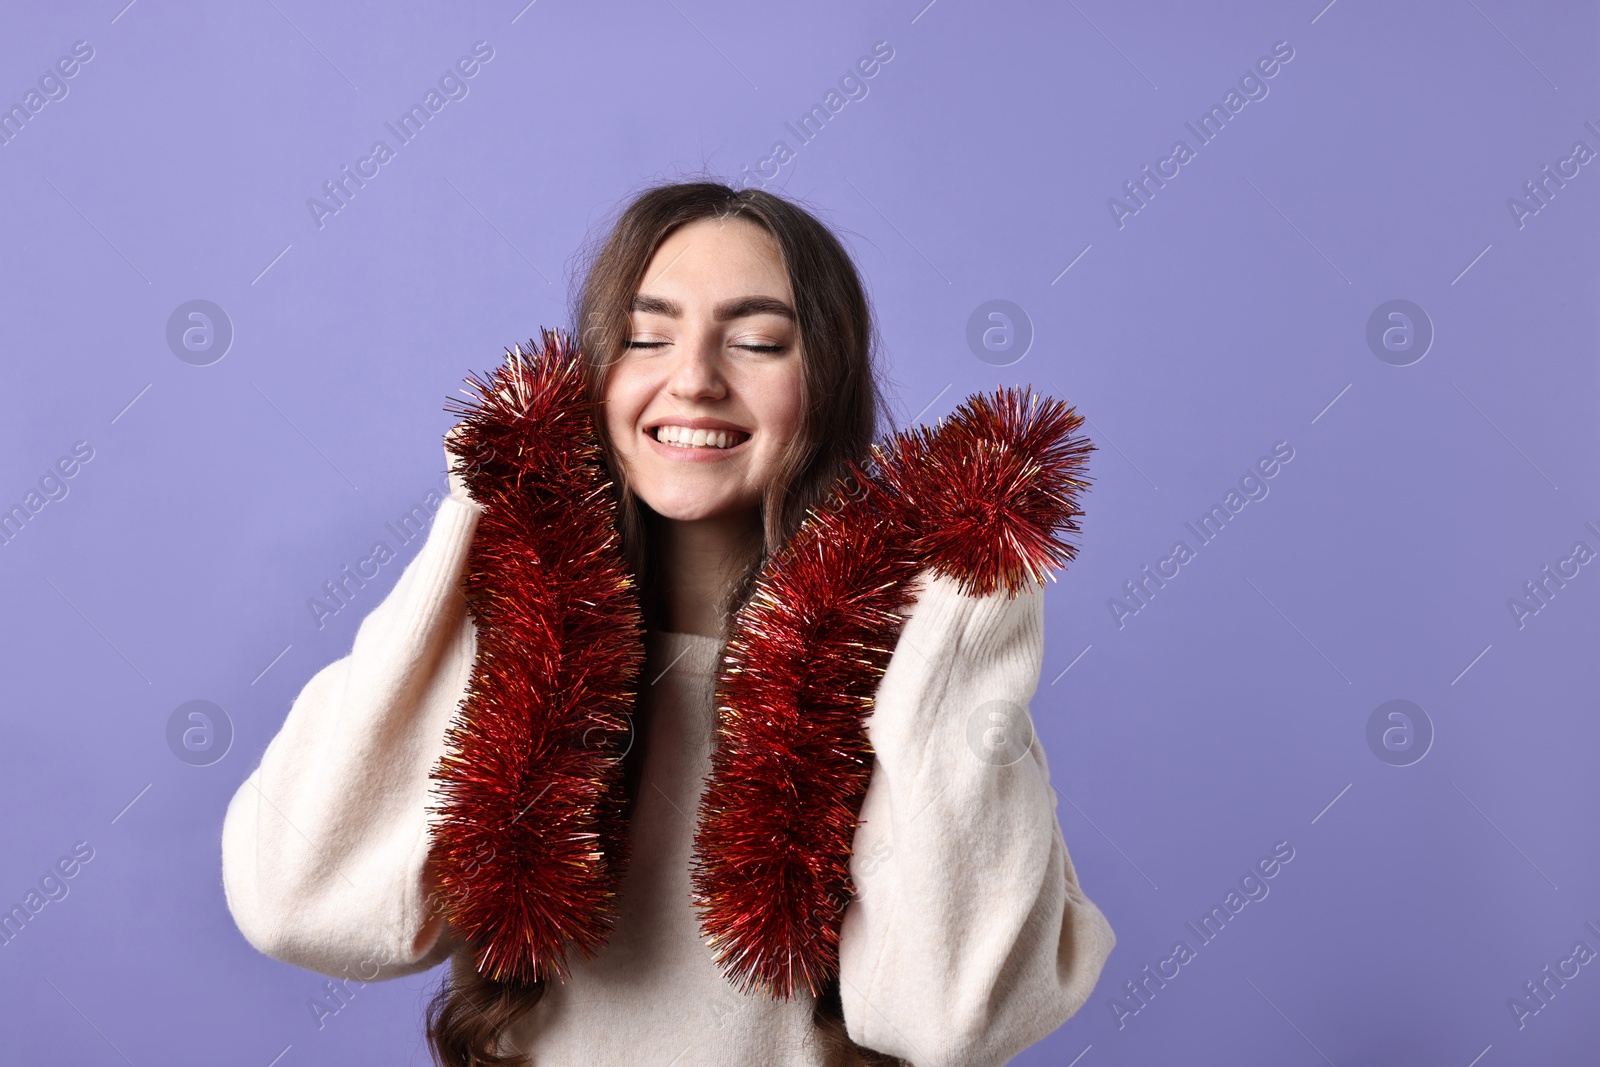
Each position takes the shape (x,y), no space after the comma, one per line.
(969,939)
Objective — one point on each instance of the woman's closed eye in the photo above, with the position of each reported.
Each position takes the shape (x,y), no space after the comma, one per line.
(663,344)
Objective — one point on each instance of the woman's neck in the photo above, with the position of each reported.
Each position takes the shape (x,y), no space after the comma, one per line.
(699,561)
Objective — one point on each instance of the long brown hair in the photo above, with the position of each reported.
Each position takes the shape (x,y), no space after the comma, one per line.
(840,419)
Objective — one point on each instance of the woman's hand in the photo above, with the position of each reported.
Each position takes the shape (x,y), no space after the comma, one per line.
(458,484)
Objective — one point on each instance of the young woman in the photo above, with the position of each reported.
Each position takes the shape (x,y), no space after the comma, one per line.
(726,340)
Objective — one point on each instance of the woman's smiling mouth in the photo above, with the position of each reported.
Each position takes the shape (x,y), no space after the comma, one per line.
(686,437)
(696,439)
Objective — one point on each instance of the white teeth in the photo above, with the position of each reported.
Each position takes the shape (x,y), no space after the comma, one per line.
(687,438)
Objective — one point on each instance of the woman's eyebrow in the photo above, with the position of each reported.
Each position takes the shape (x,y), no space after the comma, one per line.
(738,307)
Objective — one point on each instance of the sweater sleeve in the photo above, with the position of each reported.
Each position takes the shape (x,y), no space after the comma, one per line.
(969,938)
(325,845)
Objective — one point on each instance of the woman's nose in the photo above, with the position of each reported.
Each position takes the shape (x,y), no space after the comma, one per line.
(698,370)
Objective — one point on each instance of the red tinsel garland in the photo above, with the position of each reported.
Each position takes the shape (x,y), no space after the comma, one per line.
(532,839)
(979,499)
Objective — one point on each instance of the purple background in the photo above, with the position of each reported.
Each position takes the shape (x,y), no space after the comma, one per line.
(1228,314)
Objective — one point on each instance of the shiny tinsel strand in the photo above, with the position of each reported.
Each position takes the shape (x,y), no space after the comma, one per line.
(980,498)
(531,838)
(995,489)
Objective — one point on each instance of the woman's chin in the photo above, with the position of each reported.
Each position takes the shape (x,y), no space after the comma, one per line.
(697,507)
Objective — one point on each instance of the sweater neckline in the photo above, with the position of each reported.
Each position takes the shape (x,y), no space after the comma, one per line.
(695,654)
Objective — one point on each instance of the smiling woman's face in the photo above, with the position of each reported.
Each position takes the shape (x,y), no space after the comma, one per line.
(712,364)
